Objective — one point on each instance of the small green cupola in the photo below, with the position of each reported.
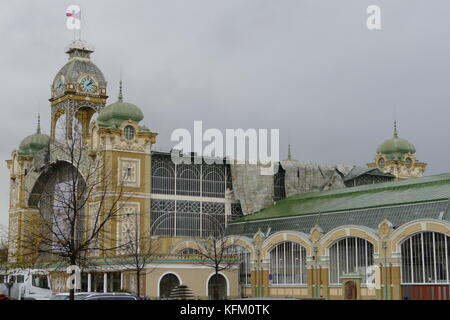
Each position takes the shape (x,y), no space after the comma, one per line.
(115,114)
(34,143)
(396,148)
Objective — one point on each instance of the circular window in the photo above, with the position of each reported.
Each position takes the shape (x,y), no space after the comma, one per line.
(408,163)
(129,132)
(381,163)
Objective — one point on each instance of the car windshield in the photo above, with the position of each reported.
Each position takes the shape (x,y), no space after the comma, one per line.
(40,281)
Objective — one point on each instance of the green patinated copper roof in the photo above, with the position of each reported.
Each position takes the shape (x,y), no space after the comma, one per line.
(389,194)
(34,143)
(395,148)
(115,114)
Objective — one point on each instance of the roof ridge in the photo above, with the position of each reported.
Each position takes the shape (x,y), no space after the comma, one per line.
(361,189)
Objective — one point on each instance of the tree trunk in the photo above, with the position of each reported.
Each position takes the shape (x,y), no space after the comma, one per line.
(138,279)
(72,291)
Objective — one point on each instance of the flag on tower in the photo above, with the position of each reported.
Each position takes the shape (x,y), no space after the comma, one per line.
(74,14)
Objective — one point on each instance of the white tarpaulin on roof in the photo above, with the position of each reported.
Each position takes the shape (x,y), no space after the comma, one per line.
(256,191)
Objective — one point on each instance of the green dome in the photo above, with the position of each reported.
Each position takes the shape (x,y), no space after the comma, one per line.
(80,64)
(34,143)
(115,114)
(395,148)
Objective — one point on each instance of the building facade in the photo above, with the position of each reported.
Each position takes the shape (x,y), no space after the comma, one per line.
(308,231)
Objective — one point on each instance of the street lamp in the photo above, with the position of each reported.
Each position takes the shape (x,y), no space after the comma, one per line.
(384,246)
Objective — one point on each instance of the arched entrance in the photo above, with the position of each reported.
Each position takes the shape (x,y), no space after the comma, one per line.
(217,287)
(166,285)
(350,290)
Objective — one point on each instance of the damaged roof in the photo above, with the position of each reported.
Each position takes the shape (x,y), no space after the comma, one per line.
(389,194)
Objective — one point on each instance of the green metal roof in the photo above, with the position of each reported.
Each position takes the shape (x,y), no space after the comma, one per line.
(395,148)
(115,114)
(34,143)
(412,191)
(370,218)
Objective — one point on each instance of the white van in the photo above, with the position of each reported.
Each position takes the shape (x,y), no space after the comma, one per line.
(26,284)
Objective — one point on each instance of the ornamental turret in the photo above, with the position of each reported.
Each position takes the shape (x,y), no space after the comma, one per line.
(397,156)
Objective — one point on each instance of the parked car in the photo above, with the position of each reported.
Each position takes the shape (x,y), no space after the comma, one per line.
(66,295)
(5,297)
(113,296)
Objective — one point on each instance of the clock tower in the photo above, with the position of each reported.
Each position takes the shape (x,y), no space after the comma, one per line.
(77,93)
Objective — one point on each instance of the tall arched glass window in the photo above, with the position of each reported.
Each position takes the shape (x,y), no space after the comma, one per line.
(188,180)
(163,175)
(288,264)
(350,255)
(244,257)
(213,181)
(426,258)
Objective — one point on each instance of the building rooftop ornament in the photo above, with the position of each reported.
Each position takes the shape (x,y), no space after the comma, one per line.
(395,148)
(34,143)
(289,153)
(115,114)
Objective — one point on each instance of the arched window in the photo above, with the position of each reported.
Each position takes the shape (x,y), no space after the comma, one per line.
(188,251)
(129,132)
(213,181)
(288,264)
(244,256)
(350,255)
(163,175)
(188,180)
(426,258)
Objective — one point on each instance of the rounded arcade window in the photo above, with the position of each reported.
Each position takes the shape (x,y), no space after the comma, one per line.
(381,163)
(408,163)
(129,132)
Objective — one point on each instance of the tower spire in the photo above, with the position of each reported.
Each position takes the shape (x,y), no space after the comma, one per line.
(289,152)
(39,123)
(120,91)
(395,129)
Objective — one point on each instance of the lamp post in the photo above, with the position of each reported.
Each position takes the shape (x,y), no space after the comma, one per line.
(316,250)
(384,246)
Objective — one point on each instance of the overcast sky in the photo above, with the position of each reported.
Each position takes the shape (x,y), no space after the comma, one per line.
(310,68)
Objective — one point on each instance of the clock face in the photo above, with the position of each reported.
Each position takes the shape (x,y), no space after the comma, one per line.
(87,84)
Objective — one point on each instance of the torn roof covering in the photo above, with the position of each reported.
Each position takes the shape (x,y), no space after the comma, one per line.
(388,194)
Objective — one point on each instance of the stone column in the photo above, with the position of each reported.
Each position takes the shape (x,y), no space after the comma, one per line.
(89,279)
(105,282)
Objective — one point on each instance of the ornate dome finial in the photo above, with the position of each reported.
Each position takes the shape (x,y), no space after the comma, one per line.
(395,129)
(120,91)
(39,123)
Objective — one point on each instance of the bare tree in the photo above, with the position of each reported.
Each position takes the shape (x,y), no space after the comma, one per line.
(3,247)
(75,199)
(217,252)
(137,247)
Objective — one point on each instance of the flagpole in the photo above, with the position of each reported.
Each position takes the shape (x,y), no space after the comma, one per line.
(81,24)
